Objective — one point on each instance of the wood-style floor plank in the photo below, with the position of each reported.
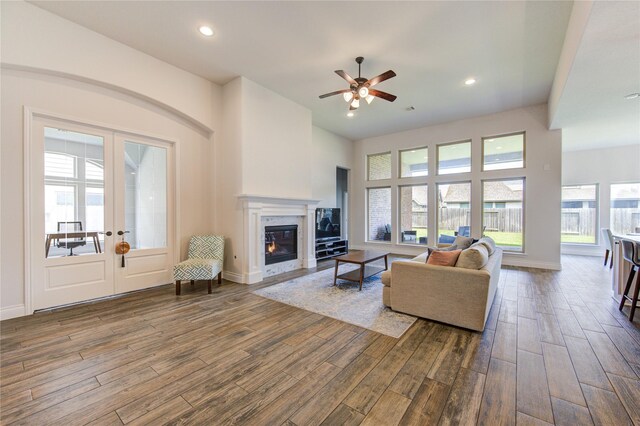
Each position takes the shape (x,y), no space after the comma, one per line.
(555,350)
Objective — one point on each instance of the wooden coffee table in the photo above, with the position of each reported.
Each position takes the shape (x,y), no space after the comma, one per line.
(360,258)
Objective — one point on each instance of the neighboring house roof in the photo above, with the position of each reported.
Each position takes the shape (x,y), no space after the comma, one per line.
(494,191)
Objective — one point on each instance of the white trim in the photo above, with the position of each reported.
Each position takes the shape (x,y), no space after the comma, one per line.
(14,311)
(29,114)
(510,261)
(202,127)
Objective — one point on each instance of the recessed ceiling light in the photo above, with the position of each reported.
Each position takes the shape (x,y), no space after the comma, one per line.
(470,81)
(350,114)
(632,96)
(205,31)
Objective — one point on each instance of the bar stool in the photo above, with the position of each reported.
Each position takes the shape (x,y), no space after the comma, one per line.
(631,253)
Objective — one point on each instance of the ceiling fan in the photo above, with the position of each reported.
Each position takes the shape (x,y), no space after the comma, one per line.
(360,88)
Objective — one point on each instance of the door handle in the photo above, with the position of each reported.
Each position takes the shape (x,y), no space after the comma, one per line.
(122,232)
(108,233)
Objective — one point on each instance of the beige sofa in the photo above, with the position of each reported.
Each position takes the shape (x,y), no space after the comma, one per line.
(453,295)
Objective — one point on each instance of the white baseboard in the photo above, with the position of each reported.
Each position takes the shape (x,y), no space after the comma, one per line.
(554,266)
(250,278)
(14,311)
(232,276)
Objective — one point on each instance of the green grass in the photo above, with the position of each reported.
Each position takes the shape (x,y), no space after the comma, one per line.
(506,239)
(578,239)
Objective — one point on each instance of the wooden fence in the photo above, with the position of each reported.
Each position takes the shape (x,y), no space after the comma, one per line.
(624,221)
(578,222)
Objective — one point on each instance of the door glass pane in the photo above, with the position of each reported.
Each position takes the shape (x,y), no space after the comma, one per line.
(145,175)
(73,192)
(454,211)
(413,214)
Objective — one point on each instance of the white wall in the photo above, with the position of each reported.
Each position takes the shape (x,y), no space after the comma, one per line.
(542,173)
(60,67)
(33,38)
(604,167)
(276,144)
(329,151)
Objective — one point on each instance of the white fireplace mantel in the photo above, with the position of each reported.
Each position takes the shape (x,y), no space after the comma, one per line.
(254,208)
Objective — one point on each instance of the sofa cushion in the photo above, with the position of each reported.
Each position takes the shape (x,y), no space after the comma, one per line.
(475,257)
(443,258)
(463,242)
(386,278)
(489,243)
(422,257)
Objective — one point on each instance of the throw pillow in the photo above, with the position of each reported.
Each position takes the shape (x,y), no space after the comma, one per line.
(444,258)
(475,257)
(463,242)
(432,249)
(489,243)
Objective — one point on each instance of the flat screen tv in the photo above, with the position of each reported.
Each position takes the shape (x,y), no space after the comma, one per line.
(327,223)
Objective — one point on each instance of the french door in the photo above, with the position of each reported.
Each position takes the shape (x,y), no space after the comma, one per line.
(89,189)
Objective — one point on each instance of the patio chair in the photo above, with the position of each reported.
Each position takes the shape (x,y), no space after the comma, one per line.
(70,243)
(206,254)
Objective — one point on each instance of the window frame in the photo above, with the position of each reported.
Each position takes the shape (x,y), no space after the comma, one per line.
(400,151)
(597,230)
(438,184)
(399,215)
(469,141)
(392,231)
(524,210)
(368,179)
(524,150)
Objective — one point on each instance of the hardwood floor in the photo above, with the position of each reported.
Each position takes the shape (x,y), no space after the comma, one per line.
(555,351)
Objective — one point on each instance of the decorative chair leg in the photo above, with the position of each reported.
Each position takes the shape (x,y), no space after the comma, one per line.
(192,283)
(209,285)
(634,301)
(606,257)
(632,272)
(177,287)
(220,277)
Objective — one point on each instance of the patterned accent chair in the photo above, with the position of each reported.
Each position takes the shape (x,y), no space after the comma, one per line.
(206,254)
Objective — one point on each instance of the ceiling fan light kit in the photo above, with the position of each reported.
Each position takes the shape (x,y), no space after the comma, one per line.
(360,88)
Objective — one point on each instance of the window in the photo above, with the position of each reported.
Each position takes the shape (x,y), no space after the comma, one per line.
(503,152)
(379,166)
(504,224)
(454,158)
(454,213)
(579,220)
(379,214)
(414,162)
(59,165)
(625,207)
(94,170)
(413,214)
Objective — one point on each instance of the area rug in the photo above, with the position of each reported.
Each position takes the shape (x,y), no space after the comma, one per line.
(316,293)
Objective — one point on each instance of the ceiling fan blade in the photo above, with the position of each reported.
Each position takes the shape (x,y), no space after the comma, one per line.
(382,77)
(383,95)
(337,92)
(352,108)
(346,76)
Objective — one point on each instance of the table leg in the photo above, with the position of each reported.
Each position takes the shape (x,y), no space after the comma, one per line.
(386,266)
(98,244)
(47,244)
(361,275)
(335,272)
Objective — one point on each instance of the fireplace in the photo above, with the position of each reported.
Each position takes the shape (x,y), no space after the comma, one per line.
(280,243)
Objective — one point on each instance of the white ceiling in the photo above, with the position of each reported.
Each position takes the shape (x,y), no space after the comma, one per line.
(592,111)
(292,48)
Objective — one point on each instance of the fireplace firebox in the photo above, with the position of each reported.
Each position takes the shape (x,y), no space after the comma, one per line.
(280,243)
